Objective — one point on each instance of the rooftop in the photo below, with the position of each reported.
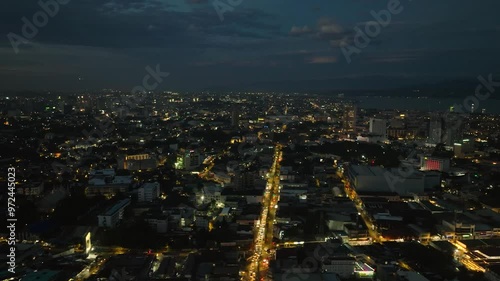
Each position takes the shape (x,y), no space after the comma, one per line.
(117,207)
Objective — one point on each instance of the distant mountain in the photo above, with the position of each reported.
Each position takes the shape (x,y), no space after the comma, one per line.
(378,85)
(321,85)
(442,89)
(375,85)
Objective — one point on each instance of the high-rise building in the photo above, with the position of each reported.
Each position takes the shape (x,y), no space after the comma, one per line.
(461,149)
(436,130)
(61,106)
(148,192)
(244,180)
(454,128)
(397,123)
(349,120)
(188,160)
(446,129)
(235,118)
(100,104)
(28,106)
(112,216)
(378,127)
(429,163)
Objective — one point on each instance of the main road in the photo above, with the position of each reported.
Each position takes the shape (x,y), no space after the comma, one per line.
(263,247)
(351,193)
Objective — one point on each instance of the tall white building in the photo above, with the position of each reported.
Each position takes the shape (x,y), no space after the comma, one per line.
(189,160)
(436,131)
(343,266)
(113,215)
(148,192)
(107,183)
(378,127)
(209,193)
(447,129)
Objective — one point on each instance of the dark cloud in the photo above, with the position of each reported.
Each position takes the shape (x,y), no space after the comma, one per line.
(111,41)
(136,24)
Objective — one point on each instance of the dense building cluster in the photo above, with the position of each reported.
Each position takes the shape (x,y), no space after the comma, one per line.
(249,186)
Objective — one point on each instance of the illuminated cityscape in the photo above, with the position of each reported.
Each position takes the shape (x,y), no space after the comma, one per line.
(194,140)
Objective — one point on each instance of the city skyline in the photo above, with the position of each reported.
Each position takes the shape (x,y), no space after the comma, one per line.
(250,140)
(113,184)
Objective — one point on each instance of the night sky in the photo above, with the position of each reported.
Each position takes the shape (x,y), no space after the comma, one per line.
(94,44)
